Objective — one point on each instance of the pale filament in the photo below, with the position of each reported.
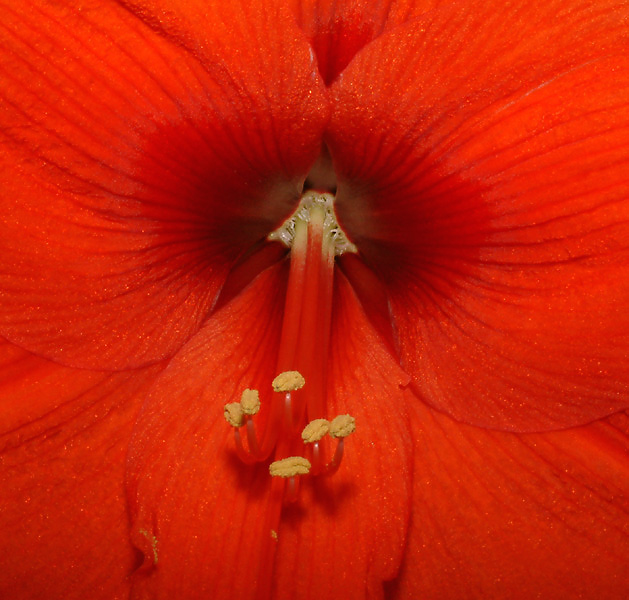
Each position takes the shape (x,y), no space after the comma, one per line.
(319,467)
(313,435)
(254,450)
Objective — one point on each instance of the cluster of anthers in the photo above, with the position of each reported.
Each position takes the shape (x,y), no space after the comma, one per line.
(240,415)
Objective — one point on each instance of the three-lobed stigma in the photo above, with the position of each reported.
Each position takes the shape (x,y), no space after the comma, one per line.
(310,203)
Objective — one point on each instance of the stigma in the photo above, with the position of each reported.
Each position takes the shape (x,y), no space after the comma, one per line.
(285,422)
(319,208)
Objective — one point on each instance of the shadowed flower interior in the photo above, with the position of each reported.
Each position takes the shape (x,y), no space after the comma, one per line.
(233,234)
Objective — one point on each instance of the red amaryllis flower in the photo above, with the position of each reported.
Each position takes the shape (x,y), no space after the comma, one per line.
(477,155)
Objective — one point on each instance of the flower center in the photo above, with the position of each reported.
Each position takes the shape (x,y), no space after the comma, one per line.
(296,432)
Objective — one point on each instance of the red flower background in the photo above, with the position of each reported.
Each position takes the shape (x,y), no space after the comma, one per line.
(480,339)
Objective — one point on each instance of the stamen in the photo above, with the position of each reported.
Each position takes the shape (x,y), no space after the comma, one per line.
(288,381)
(246,457)
(238,414)
(286,427)
(335,463)
(317,459)
(291,426)
(292,488)
(289,467)
(315,430)
(233,414)
(250,402)
(252,438)
(342,426)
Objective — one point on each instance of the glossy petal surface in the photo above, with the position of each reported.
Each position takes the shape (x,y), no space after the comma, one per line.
(63,513)
(132,173)
(487,185)
(517,516)
(211,517)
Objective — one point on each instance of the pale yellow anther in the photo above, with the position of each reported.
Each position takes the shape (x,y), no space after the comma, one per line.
(250,402)
(289,467)
(315,430)
(342,426)
(288,381)
(233,414)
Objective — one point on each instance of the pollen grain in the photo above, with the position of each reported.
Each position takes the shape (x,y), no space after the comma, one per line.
(315,430)
(233,414)
(342,426)
(288,381)
(250,402)
(289,467)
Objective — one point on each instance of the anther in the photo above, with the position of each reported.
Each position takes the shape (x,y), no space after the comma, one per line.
(289,467)
(288,381)
(342,426)
(234,414)
(315,430)
(250,402)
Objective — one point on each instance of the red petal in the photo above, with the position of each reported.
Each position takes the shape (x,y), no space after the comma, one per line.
(518,516)
(197,511)
(63,515)
(136,165)
(482,157)
(338,29)
(201,516)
